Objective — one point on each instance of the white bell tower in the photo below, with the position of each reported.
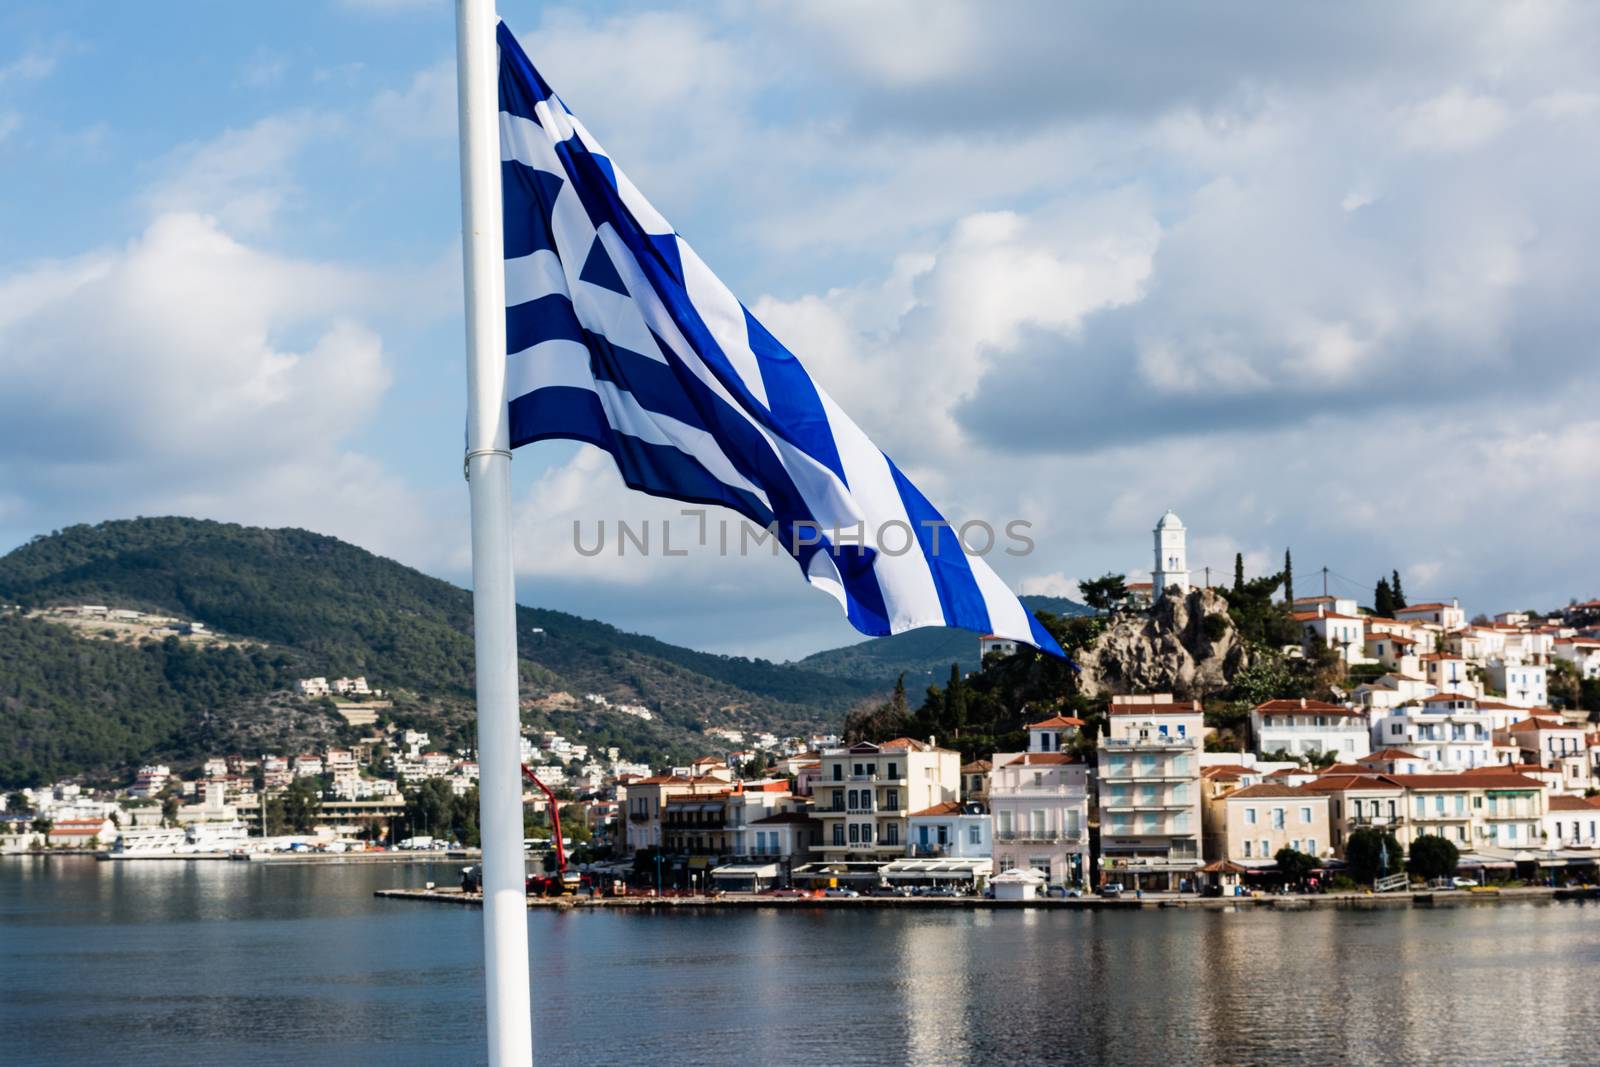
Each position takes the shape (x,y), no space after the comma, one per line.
(1172,557)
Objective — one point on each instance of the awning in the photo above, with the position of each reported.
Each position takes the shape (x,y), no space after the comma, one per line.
(975,867)
(697,862)
(1223,867)
(746,870)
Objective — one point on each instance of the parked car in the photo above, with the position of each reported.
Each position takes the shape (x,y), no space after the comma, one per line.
(784,893)
(889,891)
(938,891)
(1062,892)
(1111,889)
(840,891)
(1464,883)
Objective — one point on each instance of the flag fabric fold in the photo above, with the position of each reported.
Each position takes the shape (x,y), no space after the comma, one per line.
(617,334)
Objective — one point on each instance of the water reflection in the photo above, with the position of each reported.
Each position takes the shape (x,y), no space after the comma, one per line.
(239,963)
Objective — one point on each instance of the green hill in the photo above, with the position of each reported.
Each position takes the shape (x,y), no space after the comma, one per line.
(318,605)
(923,656)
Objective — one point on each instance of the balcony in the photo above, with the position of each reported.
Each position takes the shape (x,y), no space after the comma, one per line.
(1149,742)
(1159,804)
(1133,774)
(704,824)
(638,816)
(1039,837)
(1377,820)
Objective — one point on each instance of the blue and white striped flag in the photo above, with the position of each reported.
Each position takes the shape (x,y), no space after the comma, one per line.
(619,335)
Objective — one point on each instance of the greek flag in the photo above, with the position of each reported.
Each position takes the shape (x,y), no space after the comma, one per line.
(619,335)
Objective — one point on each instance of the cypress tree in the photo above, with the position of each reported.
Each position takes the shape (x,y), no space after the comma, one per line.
(1238,572)
(1288,578)
(1383,599)
(1399,593)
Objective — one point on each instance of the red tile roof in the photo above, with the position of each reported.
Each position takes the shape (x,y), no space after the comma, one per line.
(1267,791)
(948,807)
(1055,721)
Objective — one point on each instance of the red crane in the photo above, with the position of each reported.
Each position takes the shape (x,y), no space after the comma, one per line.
(565,881)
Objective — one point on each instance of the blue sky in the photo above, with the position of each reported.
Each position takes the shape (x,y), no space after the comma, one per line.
(1318,280)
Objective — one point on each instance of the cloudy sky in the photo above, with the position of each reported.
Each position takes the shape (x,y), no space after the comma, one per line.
(1323,280)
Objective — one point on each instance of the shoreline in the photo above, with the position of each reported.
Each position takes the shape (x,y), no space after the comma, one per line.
(432,856)
(1337,901)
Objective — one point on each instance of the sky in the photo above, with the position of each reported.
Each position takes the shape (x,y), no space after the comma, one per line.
(1318,278)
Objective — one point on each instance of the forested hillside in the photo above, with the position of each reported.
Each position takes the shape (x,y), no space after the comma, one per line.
(318,605)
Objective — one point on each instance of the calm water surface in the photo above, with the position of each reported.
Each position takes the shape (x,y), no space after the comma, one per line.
(232,963)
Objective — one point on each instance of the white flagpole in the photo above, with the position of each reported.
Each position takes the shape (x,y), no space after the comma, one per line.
(488,464)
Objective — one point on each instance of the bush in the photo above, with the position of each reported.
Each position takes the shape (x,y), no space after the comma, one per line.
(1365,850)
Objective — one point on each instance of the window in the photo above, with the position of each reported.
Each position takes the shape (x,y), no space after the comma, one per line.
(1277,818)
(1003,822)
(855,833)
(1247,849)
(866,833)
(855,800)
(1311,846)
(975,834)
(891,800)
(838,833)
(1265,848)
(1421,805)
(891,834)
(1249,816)
(1305,815)
(1038,779)
(1006,864)
(838,772)
(1295,844)
(894,770)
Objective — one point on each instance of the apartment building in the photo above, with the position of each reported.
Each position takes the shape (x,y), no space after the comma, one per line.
(1148,791)
(1262,819)
(866,791)
(1310,727)
(644,800)
(1449,730)
(1362,802)
(1039,802)
(1488,807)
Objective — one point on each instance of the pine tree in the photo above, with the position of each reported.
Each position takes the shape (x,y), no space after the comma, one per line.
(1399,593)
(1288,579)
(1238,572)
(1383,599)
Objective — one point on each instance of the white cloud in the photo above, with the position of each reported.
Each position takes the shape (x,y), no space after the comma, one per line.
(187,372)
(1453,121)
(244,176)
(32,65)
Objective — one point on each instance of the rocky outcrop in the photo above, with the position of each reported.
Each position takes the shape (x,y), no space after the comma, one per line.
(1184,645)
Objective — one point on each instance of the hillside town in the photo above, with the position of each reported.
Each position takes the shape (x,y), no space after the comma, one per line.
(1451,737)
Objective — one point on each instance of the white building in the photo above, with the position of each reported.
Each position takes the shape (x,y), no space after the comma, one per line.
(988,643)
(151,780)
(1308,727)
(312,687)
(1582,652)
(865,792)
(1171,557)
(1149,791)
(1039,803)
(1345,634)
(1446,616)
(1523,685)
(949,829)
(1572,822)
(1448,730)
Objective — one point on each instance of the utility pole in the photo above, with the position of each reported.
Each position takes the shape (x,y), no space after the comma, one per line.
(1208,577)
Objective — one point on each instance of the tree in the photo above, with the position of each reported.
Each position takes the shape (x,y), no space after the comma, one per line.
(17,803)
(1238,572)
(1288,578)
(301,803)
(1399,593)
(1383,599)
(1294,865)
(1105,592)
(1433,857)
(953,712)
(169,810)
(1372,853)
